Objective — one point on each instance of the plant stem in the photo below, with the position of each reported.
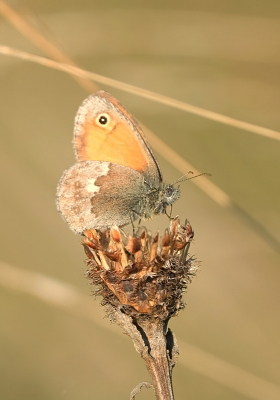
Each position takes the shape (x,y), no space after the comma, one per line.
(157,358)
(157,346)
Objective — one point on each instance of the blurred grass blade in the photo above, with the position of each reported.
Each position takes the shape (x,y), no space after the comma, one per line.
(41,42)
(147,94)
(63,295)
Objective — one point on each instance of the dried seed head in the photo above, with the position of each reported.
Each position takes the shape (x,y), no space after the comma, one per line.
(142,274)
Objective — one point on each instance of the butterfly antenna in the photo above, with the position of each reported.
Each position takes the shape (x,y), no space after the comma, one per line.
(187,179)
(181,177)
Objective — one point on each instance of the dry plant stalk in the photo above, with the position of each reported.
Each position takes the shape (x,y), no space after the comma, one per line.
(142,279)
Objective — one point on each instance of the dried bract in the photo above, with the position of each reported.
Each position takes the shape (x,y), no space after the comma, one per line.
(141,274)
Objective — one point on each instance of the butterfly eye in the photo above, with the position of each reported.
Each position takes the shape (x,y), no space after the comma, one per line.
(171,194)
(103,120)
(169,191)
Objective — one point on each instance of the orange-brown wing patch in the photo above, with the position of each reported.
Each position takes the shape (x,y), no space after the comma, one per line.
(114,143)
(116,103)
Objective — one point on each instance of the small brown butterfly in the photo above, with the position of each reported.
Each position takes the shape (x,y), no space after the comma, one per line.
(117,178)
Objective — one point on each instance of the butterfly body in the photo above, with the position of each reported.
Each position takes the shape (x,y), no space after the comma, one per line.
(117,178)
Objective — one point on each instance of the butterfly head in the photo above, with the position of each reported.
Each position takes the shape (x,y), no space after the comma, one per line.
(171,194)
(166,196)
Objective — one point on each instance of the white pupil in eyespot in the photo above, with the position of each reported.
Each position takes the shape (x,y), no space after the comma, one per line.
(103,120)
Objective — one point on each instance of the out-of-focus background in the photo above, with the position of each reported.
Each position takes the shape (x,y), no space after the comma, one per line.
(221,56)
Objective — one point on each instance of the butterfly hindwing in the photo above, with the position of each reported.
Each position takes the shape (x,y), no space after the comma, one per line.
(99,194)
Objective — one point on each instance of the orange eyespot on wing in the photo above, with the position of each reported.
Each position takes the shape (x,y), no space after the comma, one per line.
(112,141)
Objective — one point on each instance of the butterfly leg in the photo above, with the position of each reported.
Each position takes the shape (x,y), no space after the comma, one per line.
(131,220)
(169,215)
(171,210)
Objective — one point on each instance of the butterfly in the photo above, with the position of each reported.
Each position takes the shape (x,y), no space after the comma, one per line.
(116,179)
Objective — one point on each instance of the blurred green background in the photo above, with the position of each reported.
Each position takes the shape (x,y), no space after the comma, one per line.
(220,55)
